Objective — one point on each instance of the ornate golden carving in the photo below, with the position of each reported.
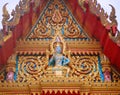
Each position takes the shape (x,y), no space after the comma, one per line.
(74,71)
(86,67)
(71,30)
(56,18)
(40,46)
(26,46)
(32,46)
(42,31)
(55,84)
(31,67)
(105,63)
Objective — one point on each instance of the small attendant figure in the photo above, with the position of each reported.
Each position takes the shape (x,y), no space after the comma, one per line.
(107,75)
(10,76)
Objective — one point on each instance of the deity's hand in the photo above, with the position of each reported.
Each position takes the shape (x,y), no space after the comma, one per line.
(65,61)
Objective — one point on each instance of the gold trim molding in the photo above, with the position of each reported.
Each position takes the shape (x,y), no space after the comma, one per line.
(72,85)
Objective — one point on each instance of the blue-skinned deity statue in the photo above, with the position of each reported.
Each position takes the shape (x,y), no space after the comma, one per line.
(59,61)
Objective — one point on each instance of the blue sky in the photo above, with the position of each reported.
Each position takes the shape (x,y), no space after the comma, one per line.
(104,3)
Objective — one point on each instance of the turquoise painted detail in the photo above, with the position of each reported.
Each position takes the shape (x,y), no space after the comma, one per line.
(16,71)
(62,30)
(100,69)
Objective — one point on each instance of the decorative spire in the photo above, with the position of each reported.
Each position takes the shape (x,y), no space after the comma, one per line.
(112,16)
(58,39)
(58,42)
(5,15)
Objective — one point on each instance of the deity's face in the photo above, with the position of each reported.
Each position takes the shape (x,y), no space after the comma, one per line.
(58,49)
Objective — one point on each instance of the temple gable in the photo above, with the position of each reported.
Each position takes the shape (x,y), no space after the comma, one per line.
(58,57)
(56,17)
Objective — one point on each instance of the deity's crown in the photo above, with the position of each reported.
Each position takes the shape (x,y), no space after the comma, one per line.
(57,42)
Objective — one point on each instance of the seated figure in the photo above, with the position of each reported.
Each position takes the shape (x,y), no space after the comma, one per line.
(59,61)
(10,76)
(107,75)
